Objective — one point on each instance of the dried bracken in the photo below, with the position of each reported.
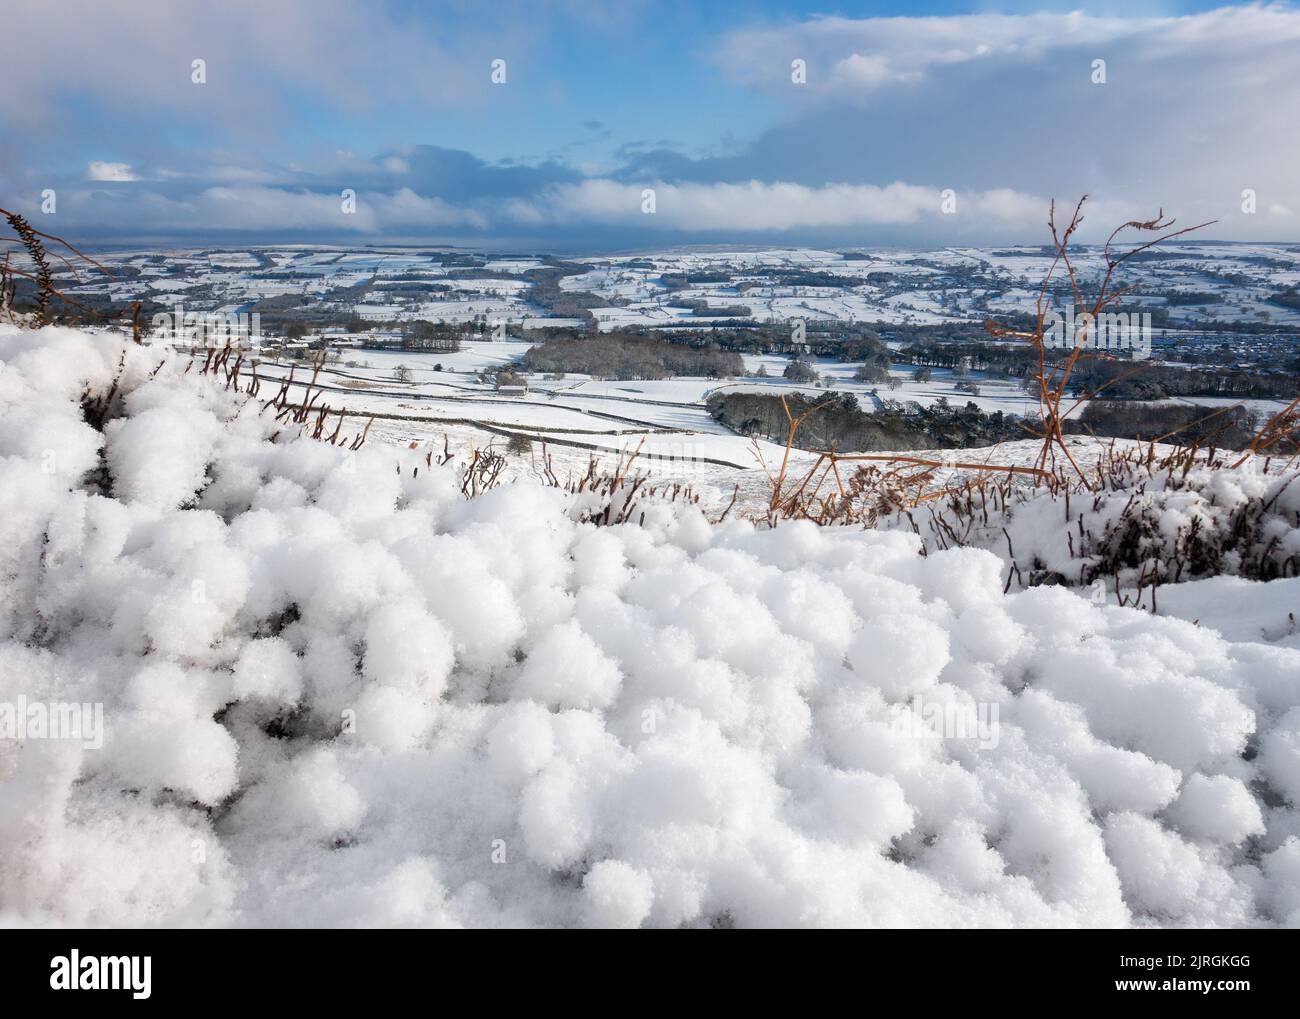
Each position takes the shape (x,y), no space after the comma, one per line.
(312,420)
(40,273)
(619,495)
(1053,378)
(824,496)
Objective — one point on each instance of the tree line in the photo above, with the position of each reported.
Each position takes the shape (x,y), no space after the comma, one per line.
(838,421)
(626,356)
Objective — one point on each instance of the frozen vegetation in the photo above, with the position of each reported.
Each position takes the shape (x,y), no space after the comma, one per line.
(336,692)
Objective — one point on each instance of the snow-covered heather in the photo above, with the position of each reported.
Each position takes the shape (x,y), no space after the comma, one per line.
(337,693)
(1173,522)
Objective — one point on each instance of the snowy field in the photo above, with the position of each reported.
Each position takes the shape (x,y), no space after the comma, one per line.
(921,287)
(661,289)
(319,688)
(665,421)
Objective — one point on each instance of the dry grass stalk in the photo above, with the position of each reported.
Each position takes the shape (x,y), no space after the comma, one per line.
(1053,379)
(311,420)
(41,274)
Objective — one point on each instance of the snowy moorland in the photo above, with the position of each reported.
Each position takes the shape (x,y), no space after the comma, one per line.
(334,691)
(1197,283)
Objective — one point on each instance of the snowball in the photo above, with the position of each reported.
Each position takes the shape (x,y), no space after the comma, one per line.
(567,669)
(309,798)
(164,690)
(988,634)
(1217,808)
(65,447)
(195,757)
(858,807)
(391,718)
(1168,878)
(963,856)
(1114,778)
(159,457)
(1279,756)
(556,816)
(617,895)
(360,488)
(899,655)
(268,669)
(598,561)
(963,577)
(407,647)
(409,895)
(808,607)
(458,586)
(521,743)
(1134,695)
(1282,870)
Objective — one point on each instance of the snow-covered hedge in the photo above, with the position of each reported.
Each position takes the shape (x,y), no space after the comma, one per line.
(336,692)
(1143,523)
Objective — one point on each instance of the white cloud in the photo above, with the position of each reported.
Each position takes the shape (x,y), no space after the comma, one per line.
(749,206)
(849,56)
(109,171)
(255,208)
(683,210)
(1193,109)
(770,207)
(136,55)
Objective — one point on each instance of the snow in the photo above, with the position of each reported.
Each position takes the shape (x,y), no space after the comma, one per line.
(1218,809)
(899,655)
(335,692)
(618,896)
(567,669)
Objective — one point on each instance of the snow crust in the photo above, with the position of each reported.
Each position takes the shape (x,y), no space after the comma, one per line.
(337,693)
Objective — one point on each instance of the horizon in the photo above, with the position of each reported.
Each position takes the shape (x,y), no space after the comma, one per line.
(485,248)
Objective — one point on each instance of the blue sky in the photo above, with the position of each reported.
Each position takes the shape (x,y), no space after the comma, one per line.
(902,103)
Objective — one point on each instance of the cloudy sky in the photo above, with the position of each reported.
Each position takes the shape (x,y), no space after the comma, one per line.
(752,123)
